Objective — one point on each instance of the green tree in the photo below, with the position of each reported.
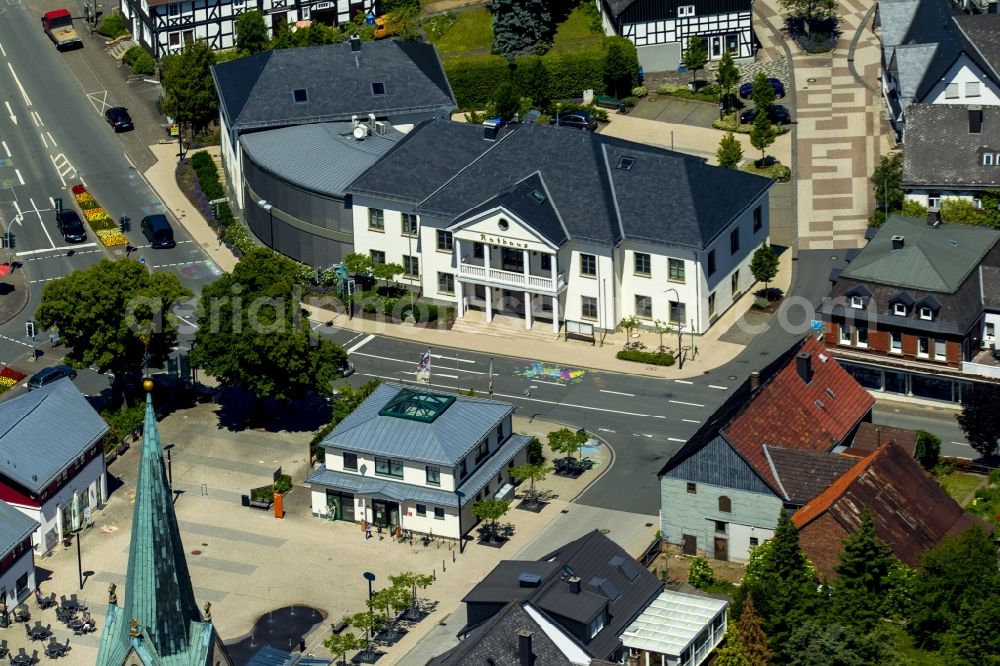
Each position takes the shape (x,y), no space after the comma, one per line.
(357,263)
(976,640)
(628,324)
(621,66)
(963,211)
(695,55)
(411,580)
(282,36)
(112,314)
(387,272)
(520,26)
(369,621)
(762,93)
(506,102)
(863,577)
(813,13)
(753,640)
(188,90)
(388,6)
(762,134)
(819,644)
(532,78)
(730,151)
(251,33)
(928,449)
(727,76)
(531,473)
(978,418)
(700,575)
(343,643)
(567,442)
(490,511)
(250,331)
(317,34)
(731,653)
(887,182)
(395,598)
(764,266)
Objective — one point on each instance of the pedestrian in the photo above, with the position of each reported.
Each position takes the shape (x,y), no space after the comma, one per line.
(368,531)
(378,528)
(54,338)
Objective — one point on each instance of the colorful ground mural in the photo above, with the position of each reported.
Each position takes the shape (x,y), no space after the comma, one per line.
(552,373)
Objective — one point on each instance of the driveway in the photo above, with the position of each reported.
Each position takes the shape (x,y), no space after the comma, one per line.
(676,110)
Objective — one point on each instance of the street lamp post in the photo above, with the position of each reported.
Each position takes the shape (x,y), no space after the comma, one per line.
(370,577)
(680,327)
(461,537)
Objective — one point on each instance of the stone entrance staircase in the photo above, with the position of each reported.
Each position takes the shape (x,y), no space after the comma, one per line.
(117,49)
(504,326)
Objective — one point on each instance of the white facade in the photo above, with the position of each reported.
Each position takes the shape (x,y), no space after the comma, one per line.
(964,83)
(18,581)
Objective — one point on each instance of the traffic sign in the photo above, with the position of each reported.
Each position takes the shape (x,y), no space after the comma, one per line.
(142,260)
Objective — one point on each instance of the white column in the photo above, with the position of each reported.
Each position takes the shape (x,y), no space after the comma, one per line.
(552,265)
(489,303)
(527,310)
(486,258)
(460,293)
(459,289)
(555,313)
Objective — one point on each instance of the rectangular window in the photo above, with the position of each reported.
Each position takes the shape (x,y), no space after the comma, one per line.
(857,302)
(692,488)
(685,10)
(588,307)
(758,219)
(754,542)
(862,337)
(376,219)
(477,251)
(720,526)
(422,510)
(546,262)
(644,307)
(411,266)
(675,270)
(409,221)
(934,201)
(734,241)
(642,263)
(438,513)
(925,313)
(588,265)
(445,241)
(433,475)
(175,39)
(845,334)
(899,309)
(987,159)
(951,91)
(378,257)
(446,283)
(990,330)
(351,461)
(482,450)
(923,347)
(972,88)
(389,467)
(463,470)
(678,313)
(734,283)
(940,349)
(711,305)
(711,262)
(895,342)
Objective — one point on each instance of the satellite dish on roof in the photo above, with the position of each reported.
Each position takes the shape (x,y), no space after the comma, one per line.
(361,132)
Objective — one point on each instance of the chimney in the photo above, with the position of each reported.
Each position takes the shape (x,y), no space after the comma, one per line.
(934,218)
(975,120)
(898,242)
(355,43)
(524,656)
(491,129)
(754,380)
(574,585)
(803,366)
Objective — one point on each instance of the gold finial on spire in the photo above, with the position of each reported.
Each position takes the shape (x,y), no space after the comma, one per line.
(112,594)
(208,611)
(147,384)
(133,627)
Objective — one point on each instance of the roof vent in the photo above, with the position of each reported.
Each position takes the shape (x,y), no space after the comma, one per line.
(355,43)
(975,120)
(300,95)
(378,88)
(529,580)
(537,196)
(898,242)
(524,654)
(829,392)
(361,132)
(820,404)
(574,585)
(625,163)
(803,366)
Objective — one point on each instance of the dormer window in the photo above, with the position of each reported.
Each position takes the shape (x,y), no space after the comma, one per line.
(926,313)
(899,309)
(987,159)
(378,89)
(857,302)
(300,95)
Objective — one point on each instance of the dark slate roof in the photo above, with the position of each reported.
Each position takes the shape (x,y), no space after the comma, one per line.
(941,152)
(43,431)
(596,200)
(989,284)
(921,40)
(15,527)
(980,32)
(618,6)
(496,642)
(256,91)
(805,474)
(912,511)
(443,441)
(608,575)
(530,201)
(871,436)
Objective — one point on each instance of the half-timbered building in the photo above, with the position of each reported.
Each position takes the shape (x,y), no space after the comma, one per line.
(660,29)
(164,27)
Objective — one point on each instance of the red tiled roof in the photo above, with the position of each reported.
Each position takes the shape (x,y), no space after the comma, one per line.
(912,511)
(788,412)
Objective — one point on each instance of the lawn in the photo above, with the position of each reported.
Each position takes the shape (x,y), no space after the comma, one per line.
(472,32)
(574,34)
(961,485)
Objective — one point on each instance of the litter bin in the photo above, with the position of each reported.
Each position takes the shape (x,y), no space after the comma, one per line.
(621,106)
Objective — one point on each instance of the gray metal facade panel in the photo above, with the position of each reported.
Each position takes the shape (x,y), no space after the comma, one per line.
(718,464)
(15,527)
(43,431)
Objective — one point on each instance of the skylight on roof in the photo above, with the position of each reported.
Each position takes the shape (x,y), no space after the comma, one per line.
(625,163)
(417,406)
(300,95)
(378,88)
(537,196)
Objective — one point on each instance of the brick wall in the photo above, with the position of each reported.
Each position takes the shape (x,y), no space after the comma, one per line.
(822,541)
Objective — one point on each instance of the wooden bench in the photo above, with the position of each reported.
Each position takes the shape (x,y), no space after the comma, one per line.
(606,101)
(339,626)
(257,504)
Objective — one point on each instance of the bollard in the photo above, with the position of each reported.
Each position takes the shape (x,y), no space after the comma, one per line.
(452,556)
(443,567)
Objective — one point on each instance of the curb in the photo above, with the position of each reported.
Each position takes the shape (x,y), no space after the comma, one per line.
(27,297)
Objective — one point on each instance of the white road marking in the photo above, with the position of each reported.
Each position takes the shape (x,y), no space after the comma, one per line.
(47,279)
(27,100)
(20,342)
(689,404)
(550,383)
(20,178)
(683,381)
(41,222)
(721,388)
(659,416)
(631,395)
(674,439)
(451,358)
(37,118)
(690,421)
(65,248)
(433,374)
(399,360)
(180,263)
(962,443)
(10,112)
(51,139)
(44,140)
(3,51)
(641,434)
(361,344)
(5,148)
(606,430)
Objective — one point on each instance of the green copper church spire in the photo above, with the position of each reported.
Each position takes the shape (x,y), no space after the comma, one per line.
(159,622)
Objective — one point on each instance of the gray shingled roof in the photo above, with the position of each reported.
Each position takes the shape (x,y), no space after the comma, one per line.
(907,24)
(896,16)
(15,527)
(529,200)
(445,441)
(257,91)
(931,259)
(941,152)
(323,157)
(911,62)
(58,416)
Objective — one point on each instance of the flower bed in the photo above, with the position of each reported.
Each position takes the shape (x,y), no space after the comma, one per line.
(9,377)
(100,221)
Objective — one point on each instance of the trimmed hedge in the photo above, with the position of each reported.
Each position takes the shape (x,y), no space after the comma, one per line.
(132,55)
(143,65)
(112,25)
(650,358)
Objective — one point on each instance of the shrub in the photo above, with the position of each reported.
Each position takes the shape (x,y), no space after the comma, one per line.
(640,91)
(535,456)
(283,484)
(700,575)
(113,25)
(143,65)
(132,54)
(121,423)
(650,358)
(775,170)
(928,449)
(731,123)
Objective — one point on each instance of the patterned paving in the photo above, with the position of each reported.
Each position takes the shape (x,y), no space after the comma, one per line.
(839,129)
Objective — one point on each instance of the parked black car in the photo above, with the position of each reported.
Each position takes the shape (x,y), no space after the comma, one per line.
(777,114)
(577,119)
(71,226)
(157,231)
(746,90)
(49,375)
(118,118)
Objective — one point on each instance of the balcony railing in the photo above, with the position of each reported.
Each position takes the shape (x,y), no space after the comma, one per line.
(510,278)
(981,369)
